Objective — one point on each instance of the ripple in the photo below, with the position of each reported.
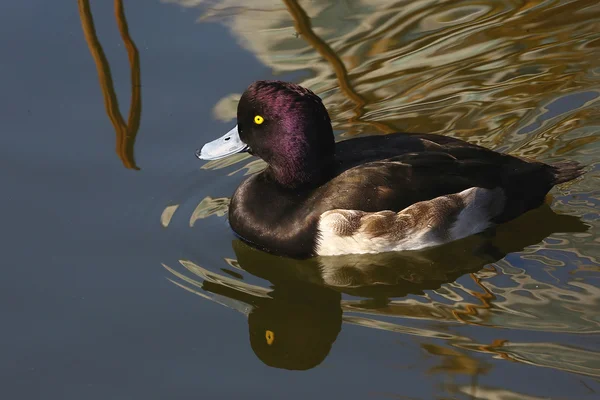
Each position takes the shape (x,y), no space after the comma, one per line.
(209,206)
(516,76)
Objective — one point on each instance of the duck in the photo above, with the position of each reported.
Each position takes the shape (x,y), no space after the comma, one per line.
(370,194)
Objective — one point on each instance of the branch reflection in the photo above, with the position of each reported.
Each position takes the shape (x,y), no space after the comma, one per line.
(304,27)
(126,131)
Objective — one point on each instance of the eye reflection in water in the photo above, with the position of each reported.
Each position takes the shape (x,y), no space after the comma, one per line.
(293,324)
(295,327)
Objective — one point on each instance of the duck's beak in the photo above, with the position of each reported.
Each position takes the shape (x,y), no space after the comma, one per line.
(226,145)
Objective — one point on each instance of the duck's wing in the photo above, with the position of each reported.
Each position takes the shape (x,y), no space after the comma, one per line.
(421,199)
(398,182)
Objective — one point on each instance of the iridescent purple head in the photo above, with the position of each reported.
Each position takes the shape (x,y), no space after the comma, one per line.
(284,124)
(287,126)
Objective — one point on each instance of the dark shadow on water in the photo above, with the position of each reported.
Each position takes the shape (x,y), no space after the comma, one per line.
(293,324)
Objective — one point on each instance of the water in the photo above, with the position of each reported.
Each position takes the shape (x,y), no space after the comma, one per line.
(122,279)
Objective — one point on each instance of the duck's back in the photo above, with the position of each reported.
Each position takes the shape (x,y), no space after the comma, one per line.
(394,171)
(394,192)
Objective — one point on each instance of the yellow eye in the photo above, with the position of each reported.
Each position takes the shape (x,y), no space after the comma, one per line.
(270,336)
(258,120)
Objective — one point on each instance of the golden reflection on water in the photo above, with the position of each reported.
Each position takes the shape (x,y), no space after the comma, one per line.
(304,27)
(209,206)
(483,71)
(518,76)
(126,131)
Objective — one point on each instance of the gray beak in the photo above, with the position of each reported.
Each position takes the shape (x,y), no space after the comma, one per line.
(226,145)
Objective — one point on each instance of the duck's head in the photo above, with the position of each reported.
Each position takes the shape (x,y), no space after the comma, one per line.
(284,124)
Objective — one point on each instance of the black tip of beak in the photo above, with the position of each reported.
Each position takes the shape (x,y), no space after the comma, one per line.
(197,153)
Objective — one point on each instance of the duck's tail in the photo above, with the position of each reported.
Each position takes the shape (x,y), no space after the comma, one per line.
(565,171)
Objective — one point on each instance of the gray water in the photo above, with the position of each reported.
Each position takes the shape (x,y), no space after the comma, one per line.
(122,279)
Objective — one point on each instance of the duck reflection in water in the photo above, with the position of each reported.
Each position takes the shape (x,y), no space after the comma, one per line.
(293,326)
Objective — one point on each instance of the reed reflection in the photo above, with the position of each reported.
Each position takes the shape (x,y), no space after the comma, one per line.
(126,131)
(294,323)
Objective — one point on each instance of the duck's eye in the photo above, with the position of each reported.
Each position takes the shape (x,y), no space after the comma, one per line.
(270,336)
(258,120)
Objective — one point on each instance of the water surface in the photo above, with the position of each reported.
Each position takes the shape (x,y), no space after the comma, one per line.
(122,278)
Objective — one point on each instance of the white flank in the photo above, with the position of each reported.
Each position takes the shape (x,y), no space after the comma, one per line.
(416,227)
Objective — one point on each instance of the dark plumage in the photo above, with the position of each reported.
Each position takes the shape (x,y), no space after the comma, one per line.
(279,209)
